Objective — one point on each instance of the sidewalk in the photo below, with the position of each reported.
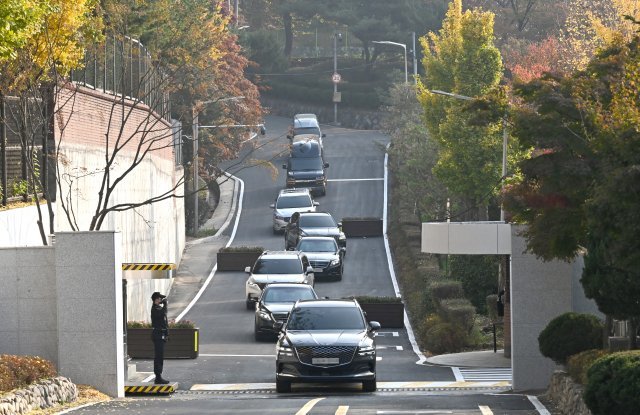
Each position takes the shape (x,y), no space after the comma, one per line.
(200,257)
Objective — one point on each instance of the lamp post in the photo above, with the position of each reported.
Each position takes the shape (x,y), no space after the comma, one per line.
(196,111)
(403,46)
(336,37)
(504,139)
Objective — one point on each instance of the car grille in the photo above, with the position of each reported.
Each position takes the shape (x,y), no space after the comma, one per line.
(319,263)
(343,353)
(280,316)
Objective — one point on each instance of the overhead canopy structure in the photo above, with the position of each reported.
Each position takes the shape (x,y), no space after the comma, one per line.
(466,238)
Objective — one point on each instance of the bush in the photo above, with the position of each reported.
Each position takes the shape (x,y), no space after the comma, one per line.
(613,383)
(366,299)
(242,249)
(569,334)
(492,308)
(458,311)
(184,324)
(579,364)
(478,274)
(438,336)
(446,289)
(20,371)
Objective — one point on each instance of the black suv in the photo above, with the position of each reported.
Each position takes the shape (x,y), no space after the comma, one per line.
(312,224)
(326,341)
(306,167)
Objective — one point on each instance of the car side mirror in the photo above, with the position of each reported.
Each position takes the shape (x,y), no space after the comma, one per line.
(278,326)
(272,206)
(374,326)
(316,203)
(247,270)
(339,224)
(326,165)
(291,248)
(309,270)
(284,166)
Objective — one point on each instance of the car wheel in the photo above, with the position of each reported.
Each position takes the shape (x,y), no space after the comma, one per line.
(283,386)
(369,386)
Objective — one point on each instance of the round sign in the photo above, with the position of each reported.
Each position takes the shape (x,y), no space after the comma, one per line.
(336,78)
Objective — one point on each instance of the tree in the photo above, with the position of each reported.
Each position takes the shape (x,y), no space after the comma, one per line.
(462,59)
(537,58)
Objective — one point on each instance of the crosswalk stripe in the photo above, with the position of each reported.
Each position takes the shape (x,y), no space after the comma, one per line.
(486,374)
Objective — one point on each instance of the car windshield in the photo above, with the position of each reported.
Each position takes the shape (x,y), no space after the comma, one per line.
(288,294)
(278,266)
(289,202)
(315,245)
(301,163)
(320,221)
(325,318)
(306,130)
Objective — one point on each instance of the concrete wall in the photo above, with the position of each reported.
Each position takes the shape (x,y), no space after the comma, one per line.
(139,292)
(28,302)
(64,303)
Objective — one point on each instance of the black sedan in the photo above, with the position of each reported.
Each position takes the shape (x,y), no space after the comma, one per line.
(324,255)
(274,304)
(326,341)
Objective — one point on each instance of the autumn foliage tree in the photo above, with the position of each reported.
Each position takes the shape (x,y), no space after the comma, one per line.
(536,59)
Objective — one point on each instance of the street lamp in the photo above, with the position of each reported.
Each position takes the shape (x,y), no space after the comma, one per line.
(196,111)
(336,37)
(504,139)
(403,46)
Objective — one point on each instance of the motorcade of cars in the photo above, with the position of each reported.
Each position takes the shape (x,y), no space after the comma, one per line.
(324,254)
(304,224)
(306,167)
(326,341)
(287,203)
(276,266)
(275,303)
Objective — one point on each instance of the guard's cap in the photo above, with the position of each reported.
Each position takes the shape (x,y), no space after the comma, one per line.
(157,295)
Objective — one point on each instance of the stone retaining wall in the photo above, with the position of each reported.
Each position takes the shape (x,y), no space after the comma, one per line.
(566,394)
(42,394)
(347,117)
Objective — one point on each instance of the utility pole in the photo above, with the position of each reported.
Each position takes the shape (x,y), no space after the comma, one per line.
(196,223)
(335,71)
(415,58)
(3,150)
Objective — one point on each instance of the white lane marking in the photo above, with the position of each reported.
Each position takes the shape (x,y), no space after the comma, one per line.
(538,405)
(485,410)
(236,355)
(407,323)
(381,385)
(342,410)
(375,179)
(148,378)
(457,374)
(215,267)
(423,411)
(389,347)
(384,333)
(399,348)
(487,373)
(308,406)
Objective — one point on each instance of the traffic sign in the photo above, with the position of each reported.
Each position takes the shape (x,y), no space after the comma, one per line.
(336,78)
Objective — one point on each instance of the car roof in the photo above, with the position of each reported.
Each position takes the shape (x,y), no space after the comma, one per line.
(322,302)
(294,192)
(305,122)
(317,238)
(315,214)
(288,285)
(308,115)
(307,148)
(280,254)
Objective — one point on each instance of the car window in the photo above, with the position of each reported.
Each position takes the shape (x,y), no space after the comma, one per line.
(288,294)
(307,245)
(320,221)
(325,318)
(306,130)
(278,266)
(288,202)
(312,163)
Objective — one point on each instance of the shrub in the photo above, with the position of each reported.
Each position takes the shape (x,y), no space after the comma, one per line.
(184,324)
(20,371)
(579,364)
(367,299)
(242,249)
(478,274)
(458,311)
(569,334)
(446,289)
(439,336)
(492,308)
(613,383)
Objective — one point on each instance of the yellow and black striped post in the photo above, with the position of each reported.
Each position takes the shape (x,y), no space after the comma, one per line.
(147,267)
(150,389)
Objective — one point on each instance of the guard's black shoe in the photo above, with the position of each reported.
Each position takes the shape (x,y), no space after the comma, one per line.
(160,381)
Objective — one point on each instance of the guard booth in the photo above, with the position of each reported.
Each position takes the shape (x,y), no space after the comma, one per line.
(139,281)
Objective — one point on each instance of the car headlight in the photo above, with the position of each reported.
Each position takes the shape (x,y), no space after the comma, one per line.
(285,349)
(278,217)
(366,348)
(335,262)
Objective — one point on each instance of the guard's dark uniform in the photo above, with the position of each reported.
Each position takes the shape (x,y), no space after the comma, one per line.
(160,335)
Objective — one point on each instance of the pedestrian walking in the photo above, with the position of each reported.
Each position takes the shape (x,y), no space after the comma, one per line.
(160,334)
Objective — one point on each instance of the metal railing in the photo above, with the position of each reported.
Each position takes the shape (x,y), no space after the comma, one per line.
(122,66)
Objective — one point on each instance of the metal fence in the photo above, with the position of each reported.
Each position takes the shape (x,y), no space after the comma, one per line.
(122,66)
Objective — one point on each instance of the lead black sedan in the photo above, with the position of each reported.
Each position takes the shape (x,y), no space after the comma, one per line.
(326,341)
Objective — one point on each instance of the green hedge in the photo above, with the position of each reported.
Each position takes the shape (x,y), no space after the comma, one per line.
(613,384)
(458,311)
(569,334)
(439,336)
(446,289)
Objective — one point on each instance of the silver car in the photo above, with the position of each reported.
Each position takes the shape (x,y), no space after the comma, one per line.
(288,202)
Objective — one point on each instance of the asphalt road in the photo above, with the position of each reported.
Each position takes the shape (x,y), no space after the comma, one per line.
(230,355)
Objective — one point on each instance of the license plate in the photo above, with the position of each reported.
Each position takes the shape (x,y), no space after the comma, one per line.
(325,360)
(318,270)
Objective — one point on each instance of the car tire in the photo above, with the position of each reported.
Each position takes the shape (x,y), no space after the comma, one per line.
(283,386)
(369,386)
